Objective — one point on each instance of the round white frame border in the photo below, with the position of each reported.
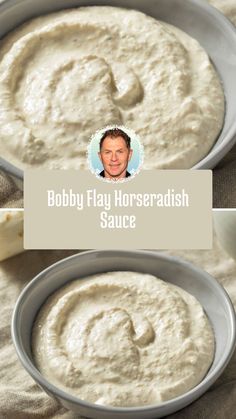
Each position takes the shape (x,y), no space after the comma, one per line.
(132,134)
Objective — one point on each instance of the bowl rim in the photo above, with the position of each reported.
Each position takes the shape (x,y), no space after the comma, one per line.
(214,155)
(183,399)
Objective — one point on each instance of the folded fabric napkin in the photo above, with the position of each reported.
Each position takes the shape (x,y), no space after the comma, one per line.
(10,195)
(224,182)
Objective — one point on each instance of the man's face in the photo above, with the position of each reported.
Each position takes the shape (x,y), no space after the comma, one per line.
(115,156)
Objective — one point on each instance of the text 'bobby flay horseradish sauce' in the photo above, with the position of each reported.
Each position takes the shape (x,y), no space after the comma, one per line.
(123,339)
(65,75)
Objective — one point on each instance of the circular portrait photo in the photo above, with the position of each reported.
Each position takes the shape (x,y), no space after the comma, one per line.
(115,154)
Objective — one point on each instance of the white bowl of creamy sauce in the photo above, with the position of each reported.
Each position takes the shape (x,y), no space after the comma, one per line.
(67,74)
(118,341)
(123,339)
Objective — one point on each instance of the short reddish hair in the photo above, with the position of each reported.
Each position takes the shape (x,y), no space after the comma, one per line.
(114,133)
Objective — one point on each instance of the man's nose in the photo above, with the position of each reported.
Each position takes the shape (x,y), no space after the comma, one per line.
(113,157)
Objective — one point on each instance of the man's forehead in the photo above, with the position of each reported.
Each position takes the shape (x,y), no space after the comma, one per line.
(114,141)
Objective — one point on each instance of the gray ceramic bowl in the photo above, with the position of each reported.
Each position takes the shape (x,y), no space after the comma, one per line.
(214,32)
(211,295)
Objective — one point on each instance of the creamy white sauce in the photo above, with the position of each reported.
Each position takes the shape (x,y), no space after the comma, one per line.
(65,75)
(227,7)
(123,339)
